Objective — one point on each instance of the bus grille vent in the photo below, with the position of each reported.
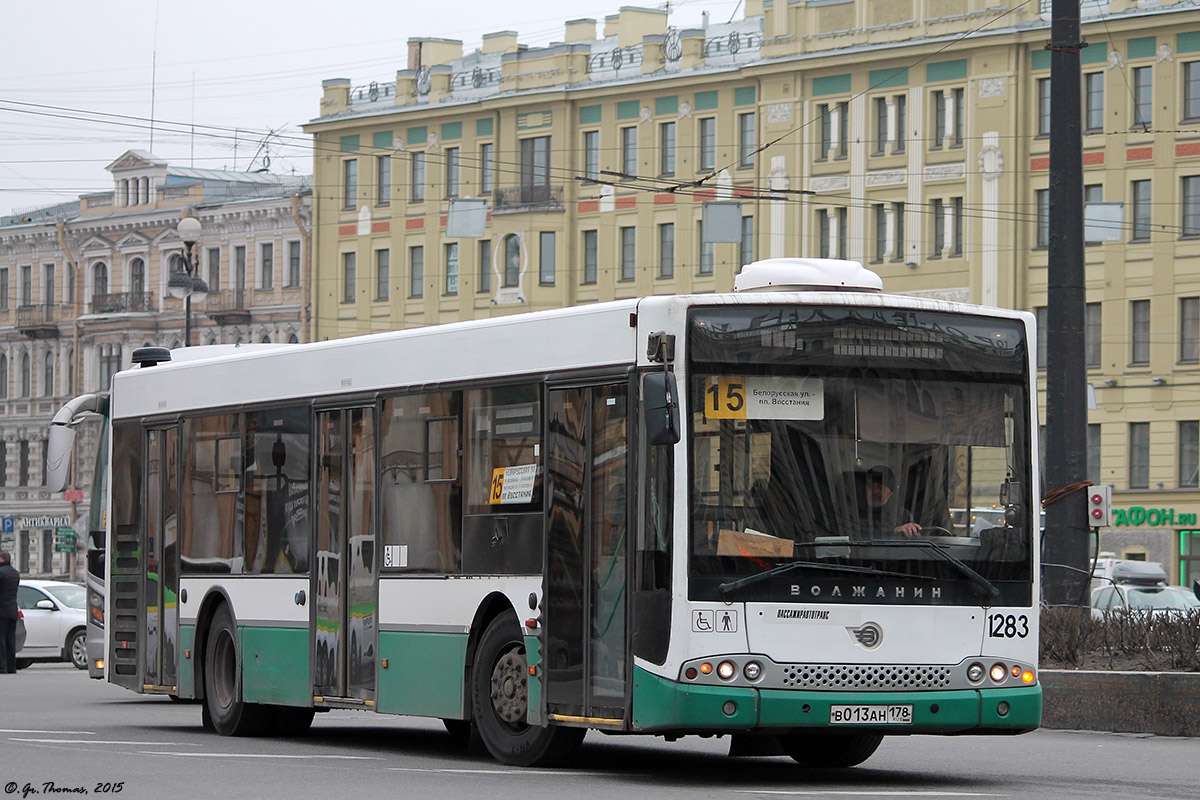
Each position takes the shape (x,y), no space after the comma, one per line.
(865,677)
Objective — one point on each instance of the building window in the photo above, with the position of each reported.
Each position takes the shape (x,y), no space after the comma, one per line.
(23,464)
(512,260)
(1140,190)
(239,267)
(591,244)
(960,117)
(824,231)
(417,189)
(666,148)
(940,107)
(747,139)
(825,114)
(350,182)
(27,285)
(881,125)
(628,253)
(3,463)
(485,266)
(70,298)
(486,167)
(1189,330)
(546,263)
(293,273)
(881,223)
(1189,452)
(3,377)
(349,276)
(1092,335)
(110,363)
(666,250)
(747,253)
(213,256)
(535,167)
(383,274)
(1139,332)
(707,135)
(1093,102)
(1093,193)
(137,275)
(452,172)
(831,228)
(451,251)
(1191,205)
(1143,98)
(48,374)
(1043,218)
(1139,455)
(900,112)
(939,228)
(629,165)
(707,251)
(1039,314)
(99,281)
(26,376)
(4,289)
(416,277)
(591,155)
(48,284)
(266,265)
(1191,90)
(383,169)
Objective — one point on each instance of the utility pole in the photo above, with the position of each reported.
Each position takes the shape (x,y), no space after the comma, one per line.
(1065,560)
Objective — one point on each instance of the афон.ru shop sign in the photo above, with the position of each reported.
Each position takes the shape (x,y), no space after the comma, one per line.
(1136,516)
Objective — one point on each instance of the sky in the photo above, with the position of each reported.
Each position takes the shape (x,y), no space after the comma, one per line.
(206,84)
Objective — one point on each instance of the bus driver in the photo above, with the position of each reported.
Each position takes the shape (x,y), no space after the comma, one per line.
(879,511)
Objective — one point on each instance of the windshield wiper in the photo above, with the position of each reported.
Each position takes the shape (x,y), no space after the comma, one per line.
(986,586)
(732,586)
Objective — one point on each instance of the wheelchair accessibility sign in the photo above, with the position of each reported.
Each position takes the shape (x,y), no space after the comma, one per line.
(708,621)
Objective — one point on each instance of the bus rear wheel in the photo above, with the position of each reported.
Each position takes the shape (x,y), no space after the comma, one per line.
(830,750)
(227,712)
(500,702)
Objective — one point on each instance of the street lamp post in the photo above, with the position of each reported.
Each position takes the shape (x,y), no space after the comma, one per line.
(186,284)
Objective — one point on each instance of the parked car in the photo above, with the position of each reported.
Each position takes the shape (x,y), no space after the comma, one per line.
(20,629)
(1156,599)
(55,622)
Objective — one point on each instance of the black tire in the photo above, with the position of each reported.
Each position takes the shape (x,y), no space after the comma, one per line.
(76,649)
(499,700)
(228,713)
(22,663)
(830,750)
(291,721)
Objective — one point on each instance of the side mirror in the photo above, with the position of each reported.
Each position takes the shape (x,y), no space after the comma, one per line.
(1196,587)
(46,605)
(660,408)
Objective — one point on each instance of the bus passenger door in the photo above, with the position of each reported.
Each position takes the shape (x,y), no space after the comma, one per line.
(161,574)
(584,642)
(343,580)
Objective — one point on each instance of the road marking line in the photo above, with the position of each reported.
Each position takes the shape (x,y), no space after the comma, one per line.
(252,755)
(868,793)
(553,772)
(73,733)
(102,741)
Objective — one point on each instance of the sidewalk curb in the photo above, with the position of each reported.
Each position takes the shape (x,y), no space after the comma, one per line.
(1162,703)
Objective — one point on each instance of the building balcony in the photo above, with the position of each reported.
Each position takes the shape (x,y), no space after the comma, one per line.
(229,306)
(123,303)
(531,197)
(40,321)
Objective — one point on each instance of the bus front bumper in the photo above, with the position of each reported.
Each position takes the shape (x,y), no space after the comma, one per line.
(662,705)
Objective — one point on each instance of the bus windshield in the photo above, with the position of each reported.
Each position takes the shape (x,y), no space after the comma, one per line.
(845,445)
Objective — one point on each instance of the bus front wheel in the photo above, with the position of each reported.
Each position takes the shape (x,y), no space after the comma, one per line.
(500,702)
(830,751)
(227,712)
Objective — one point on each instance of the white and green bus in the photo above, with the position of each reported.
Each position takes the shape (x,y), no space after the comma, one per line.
(649,516)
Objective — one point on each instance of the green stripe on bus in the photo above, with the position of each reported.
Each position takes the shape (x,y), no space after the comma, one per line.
(275,666)
(425,676)
(187,666)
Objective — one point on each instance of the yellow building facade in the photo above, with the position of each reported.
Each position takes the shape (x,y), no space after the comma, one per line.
(906,134)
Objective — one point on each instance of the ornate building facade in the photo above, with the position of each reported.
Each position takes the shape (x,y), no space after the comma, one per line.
(910,135)
(83,284)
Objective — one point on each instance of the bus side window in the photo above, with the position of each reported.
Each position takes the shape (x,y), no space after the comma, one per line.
(419,488)
(505,458)
(276,530)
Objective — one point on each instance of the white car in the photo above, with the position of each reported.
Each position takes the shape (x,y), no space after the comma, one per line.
(1157,599)
(55,622)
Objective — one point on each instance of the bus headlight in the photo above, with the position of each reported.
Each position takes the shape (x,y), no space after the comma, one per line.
(975,672)
(726,670)
(752,670)
(999,673)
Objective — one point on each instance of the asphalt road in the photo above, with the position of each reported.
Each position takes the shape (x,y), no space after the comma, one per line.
(61,731)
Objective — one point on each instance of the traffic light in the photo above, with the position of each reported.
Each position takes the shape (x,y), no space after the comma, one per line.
(1099,506)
